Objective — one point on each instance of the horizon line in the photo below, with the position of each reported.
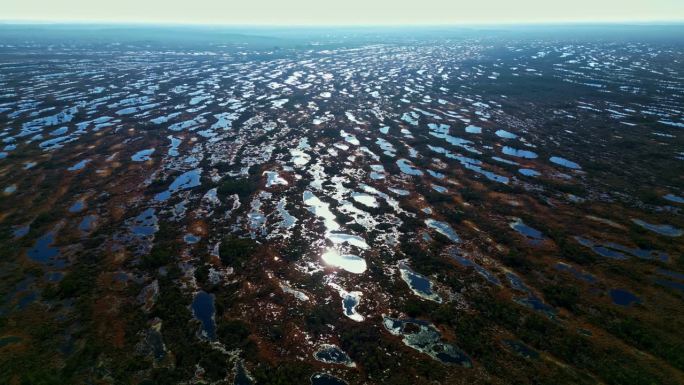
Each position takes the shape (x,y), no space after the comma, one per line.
(84,22)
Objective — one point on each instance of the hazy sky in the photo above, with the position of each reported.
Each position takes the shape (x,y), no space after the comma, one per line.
(342,11)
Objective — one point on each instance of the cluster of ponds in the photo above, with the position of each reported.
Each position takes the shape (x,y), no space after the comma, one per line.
(349,170)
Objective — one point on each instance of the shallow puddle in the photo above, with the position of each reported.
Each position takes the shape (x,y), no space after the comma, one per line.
(203,310)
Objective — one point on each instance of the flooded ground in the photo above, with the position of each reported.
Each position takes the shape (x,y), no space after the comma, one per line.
(341,207)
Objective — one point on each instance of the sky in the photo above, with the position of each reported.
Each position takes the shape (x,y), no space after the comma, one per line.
(342,12)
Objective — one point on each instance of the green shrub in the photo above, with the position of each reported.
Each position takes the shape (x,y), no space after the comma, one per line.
(562,295)
(159,256)
(242,187)
(235,251)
